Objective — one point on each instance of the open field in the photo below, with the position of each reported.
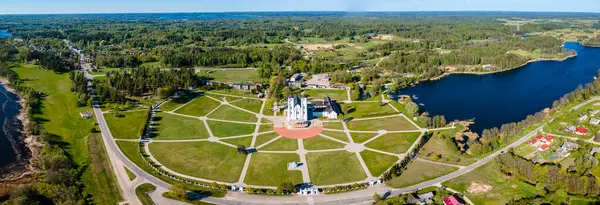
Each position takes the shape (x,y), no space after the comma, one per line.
(249,104)
(325,167)
(367,109)
(241,141)
(418,171)
(321,143)
(234,92)
(333,125)
(264,138)
(358,137)
(232,75)
(62,114)
(200,159)
(319,94)
(390,124)
(226,112)
(376,162)
(173,127)
(127,125)
(396,143)
(503,188)
(199,107)
(443,149)
(226,129)
(271,169)
(282,144)
(265,127)
(177,102)
(337,135)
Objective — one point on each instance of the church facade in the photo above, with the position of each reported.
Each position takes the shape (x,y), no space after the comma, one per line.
(297,109)
(300,111)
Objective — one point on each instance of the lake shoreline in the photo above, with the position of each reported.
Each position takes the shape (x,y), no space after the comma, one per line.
(21,171)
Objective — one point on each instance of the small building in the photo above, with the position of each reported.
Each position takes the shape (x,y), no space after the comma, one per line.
(453,200)
(582,118)
(581,131)
(487,66)
(296,77)
(326,108)
(242,86)
(569,146)
(319,81)
(594,121)
(86,114)
(543,147)
(594,112)
(308,189)
(422,199)
(570,128)
(294,165)
(595,150)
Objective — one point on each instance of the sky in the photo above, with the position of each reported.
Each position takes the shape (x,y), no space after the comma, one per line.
(162,6)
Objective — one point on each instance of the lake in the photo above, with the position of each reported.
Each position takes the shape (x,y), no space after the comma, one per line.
(4,34)
(11,144)
(496,99)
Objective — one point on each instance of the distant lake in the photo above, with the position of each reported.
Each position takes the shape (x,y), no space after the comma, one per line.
(496,99)
(10,142)
(4,34)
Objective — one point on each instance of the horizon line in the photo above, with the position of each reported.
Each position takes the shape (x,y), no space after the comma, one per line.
(282,11)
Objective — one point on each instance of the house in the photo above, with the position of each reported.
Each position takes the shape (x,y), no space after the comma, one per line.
(86,114)
(594,121)
(582,118)
(307,189)
(487,66)
(543,147)
(548,139)
(296,80)
(327,108)
(594,112)
(425,198)
(242,86)
(453,200)
(581,131)
(569,146)
(595,150)
(570,128)
(319,81)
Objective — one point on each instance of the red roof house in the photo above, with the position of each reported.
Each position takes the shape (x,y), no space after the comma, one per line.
(544,147)
(539,137)
(533,141)
(581,131)
(452,200)
(549,139)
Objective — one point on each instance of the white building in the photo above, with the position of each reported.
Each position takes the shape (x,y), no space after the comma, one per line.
(327,108)
(297,109)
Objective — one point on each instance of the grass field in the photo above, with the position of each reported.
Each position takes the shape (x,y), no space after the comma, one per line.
(390,124)
(358,137)
(127,125)
(234,92)
(264,138)
(367,109)
(200,159)
(319,94)
(173,127)
(142,193)
(321,143)
(571,118)
(504,188)
(333,125)
(177,102)
(445,149)
(199,107)
(227,112)
(337,135)
(232,75)
(265,127)
(282,144)
(377,162)
(225,129)
(337,167)
(62,114)
(397,143)
(268,169)
(249,104)
(242,141)
(418,171)
(130,174)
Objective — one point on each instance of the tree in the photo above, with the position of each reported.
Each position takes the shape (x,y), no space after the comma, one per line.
(286,91)
(376,197)
(178,191)
(411,108)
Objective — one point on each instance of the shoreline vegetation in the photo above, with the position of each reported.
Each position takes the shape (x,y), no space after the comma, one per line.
(23,170)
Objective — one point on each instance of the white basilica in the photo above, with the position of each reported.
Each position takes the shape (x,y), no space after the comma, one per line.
(300,111)
(297,109)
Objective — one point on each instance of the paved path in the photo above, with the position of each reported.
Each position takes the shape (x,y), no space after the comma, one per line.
(585,103)
(304,167)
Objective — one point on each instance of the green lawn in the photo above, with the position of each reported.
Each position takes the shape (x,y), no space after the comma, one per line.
(249,104)
(130,174)
(232,75)
(333,125)
(571,118)
(234,92)
(337,167)
(264,138)
(199,107)
(62,114)
(367,110)
(504,188)
(391,124)
(265,127)
(268,169)
(200,159)
(127,125)
(397,143)
(443,149)
(173,127)
(337,135)
(417,172)
(359,137)
(227,112)
(242,141)
(226,129)
(377,162)
(339,95)
(142,193)
(321,143)
(282,144)
(177,102)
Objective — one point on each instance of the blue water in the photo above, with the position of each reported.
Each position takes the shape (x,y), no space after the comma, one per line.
(496,99)
(11,144)
(4,34)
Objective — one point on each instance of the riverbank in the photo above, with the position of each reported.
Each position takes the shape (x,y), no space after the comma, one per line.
(499,71)
(21,171)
